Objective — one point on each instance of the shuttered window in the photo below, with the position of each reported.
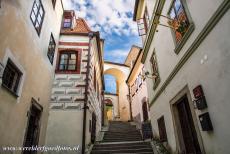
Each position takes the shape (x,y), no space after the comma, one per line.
(162,129)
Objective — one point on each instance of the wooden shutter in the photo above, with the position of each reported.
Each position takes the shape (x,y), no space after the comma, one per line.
(162,129)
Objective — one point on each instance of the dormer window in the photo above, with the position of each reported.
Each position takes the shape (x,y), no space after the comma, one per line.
(67,22)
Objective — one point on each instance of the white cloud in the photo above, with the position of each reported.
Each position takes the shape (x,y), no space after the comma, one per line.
(108,16)
(117,55)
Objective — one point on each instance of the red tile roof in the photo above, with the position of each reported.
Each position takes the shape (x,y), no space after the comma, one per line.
(80,27)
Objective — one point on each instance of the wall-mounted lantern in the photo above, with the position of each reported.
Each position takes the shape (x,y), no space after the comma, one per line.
(148,75)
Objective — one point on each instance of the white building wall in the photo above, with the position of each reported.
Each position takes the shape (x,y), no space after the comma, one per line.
(207,66)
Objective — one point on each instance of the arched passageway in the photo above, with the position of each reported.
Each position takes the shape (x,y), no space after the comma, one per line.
(121,107)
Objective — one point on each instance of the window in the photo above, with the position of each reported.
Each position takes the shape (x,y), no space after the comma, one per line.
(67,22)
(162,129)
(53,2)
(179,20)
(37,15)
(155,72)
(51,49)
(68,61)
(11,77)
(143,23)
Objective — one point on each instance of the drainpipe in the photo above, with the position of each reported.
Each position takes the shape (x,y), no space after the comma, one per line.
(102,109)
(130,105)
(86,94)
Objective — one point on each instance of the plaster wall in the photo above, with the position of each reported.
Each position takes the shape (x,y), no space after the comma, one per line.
(64,130)
(20,42)
(207,66)
(68,97)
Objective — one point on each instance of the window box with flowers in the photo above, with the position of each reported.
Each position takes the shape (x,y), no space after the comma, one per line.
(181,22)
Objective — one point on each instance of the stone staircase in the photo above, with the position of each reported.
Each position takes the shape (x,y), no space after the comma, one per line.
(122,137)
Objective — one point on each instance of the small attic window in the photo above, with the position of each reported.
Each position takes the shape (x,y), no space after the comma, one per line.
(67,22)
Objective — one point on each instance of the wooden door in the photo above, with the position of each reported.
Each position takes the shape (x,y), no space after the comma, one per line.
(145,111)
(93,131)
(187,127)
(33,127)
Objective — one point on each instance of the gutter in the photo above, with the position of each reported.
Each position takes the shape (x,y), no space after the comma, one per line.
(86,95)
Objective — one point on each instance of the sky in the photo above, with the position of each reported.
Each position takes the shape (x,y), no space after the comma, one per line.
(114,20)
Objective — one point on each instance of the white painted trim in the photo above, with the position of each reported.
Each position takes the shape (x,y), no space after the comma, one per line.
(9,55)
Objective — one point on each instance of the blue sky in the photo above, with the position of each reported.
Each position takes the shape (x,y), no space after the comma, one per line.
(113,19)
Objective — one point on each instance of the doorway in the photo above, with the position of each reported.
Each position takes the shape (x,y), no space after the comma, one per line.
(145,111)
(33,127)
(93,130)
(188,132)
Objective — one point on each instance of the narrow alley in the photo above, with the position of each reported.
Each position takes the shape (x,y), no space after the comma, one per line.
(109,77)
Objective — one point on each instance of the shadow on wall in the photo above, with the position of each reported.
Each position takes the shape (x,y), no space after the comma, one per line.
(137,120)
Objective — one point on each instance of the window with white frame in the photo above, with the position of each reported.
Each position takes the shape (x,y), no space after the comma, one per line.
(37,15)
(11,77)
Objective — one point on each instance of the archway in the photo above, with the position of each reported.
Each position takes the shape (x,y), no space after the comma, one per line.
(121,107)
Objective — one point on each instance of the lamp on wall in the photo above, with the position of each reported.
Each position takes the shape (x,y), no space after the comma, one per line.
(170,25)
(148,75)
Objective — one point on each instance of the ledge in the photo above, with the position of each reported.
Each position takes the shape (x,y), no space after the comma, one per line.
(10,91)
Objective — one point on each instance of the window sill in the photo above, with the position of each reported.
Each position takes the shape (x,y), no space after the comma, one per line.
(184,38)
(67,72)
(156,84)
(10,91)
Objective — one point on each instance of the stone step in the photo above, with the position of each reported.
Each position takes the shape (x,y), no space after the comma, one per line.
(109,147)
(123,144)
(122,153)
(121,136)
(121,140)
(134,150)
(124,136)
